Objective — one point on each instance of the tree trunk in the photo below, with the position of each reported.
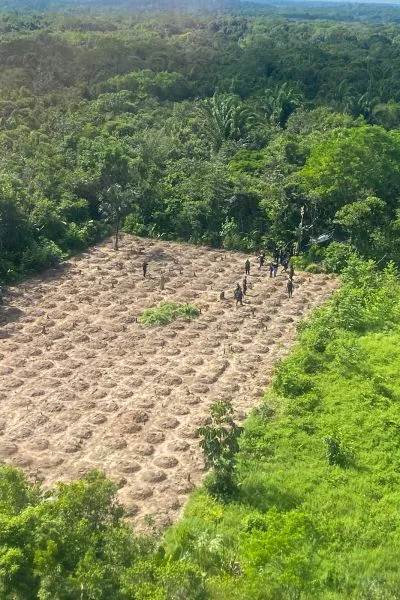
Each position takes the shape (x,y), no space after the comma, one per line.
(116,235)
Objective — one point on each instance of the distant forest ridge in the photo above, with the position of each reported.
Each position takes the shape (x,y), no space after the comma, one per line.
(149,5)
(337,10)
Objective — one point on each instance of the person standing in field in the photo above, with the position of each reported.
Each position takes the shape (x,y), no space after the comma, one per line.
(144,266)
(271,268)
(238,295)
(290,287)
(247,267)
(244,285)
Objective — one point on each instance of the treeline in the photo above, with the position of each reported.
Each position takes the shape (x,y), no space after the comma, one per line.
(221,129)
(314,509)
(73,543)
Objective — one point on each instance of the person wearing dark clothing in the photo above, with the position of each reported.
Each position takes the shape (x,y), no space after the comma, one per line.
(271,268)
(144,266)
(238,295)
(291,271)
(289,287)
(275,269)
(285,264)
(244,286)
(247,267)
(261,260)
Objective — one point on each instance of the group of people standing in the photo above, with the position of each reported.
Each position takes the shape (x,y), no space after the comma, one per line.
(279,257)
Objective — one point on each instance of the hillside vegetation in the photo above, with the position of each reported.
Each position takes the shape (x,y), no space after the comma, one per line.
(316,514)
(208,129)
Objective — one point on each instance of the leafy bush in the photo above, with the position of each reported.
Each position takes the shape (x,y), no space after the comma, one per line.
(72,542)
(314,268)
(165,312)
(8,269)
(337,256)
(336,453)
(307,403)
(299,262)
(220,445)
(40,255)
(290,380)
(132,224)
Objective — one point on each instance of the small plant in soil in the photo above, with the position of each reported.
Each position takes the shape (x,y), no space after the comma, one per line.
(219,442)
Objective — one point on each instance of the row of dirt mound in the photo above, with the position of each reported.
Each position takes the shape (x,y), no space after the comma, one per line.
(83,385)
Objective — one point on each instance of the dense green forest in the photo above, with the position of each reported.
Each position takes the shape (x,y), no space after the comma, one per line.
(212,129)
(266,127)
(314,509)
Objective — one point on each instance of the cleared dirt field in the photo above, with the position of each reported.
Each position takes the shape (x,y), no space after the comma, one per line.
(83,385)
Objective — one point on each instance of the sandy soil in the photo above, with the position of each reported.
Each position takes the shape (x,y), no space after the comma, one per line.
(83,385)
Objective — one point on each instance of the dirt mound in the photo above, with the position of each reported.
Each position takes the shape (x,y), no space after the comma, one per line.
(84,385)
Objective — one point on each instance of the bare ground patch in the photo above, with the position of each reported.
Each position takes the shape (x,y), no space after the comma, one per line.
(84,385)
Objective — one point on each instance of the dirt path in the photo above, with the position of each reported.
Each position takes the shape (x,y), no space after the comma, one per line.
(83,385)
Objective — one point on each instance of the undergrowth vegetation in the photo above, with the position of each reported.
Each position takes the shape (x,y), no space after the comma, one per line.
(166,312)
(73,544)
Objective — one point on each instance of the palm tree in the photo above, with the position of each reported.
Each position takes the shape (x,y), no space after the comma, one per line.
(226,119)
(280,102)
(115,203)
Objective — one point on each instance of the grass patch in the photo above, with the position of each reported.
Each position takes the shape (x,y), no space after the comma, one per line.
(317,513)
(166,312)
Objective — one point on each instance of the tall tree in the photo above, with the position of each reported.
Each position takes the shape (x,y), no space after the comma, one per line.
(115,203)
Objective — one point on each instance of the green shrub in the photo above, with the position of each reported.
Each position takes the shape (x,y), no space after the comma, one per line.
(346,356)
(302,405)
(132,224)
(336,453)
(166,312)
(8,269)
(73,210)
(315,254)
(220,445)
(337,256)
(290,380)
(314,268)
(74,237)
(40,255)
(299,262)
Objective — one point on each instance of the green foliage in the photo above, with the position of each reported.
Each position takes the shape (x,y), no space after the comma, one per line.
(337,256)
(40,255)
(290,379)
(336,453)
(219,442)
(314,268)
(166,312)
(315,512)
(115,204)
(72,542)
(222,152)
